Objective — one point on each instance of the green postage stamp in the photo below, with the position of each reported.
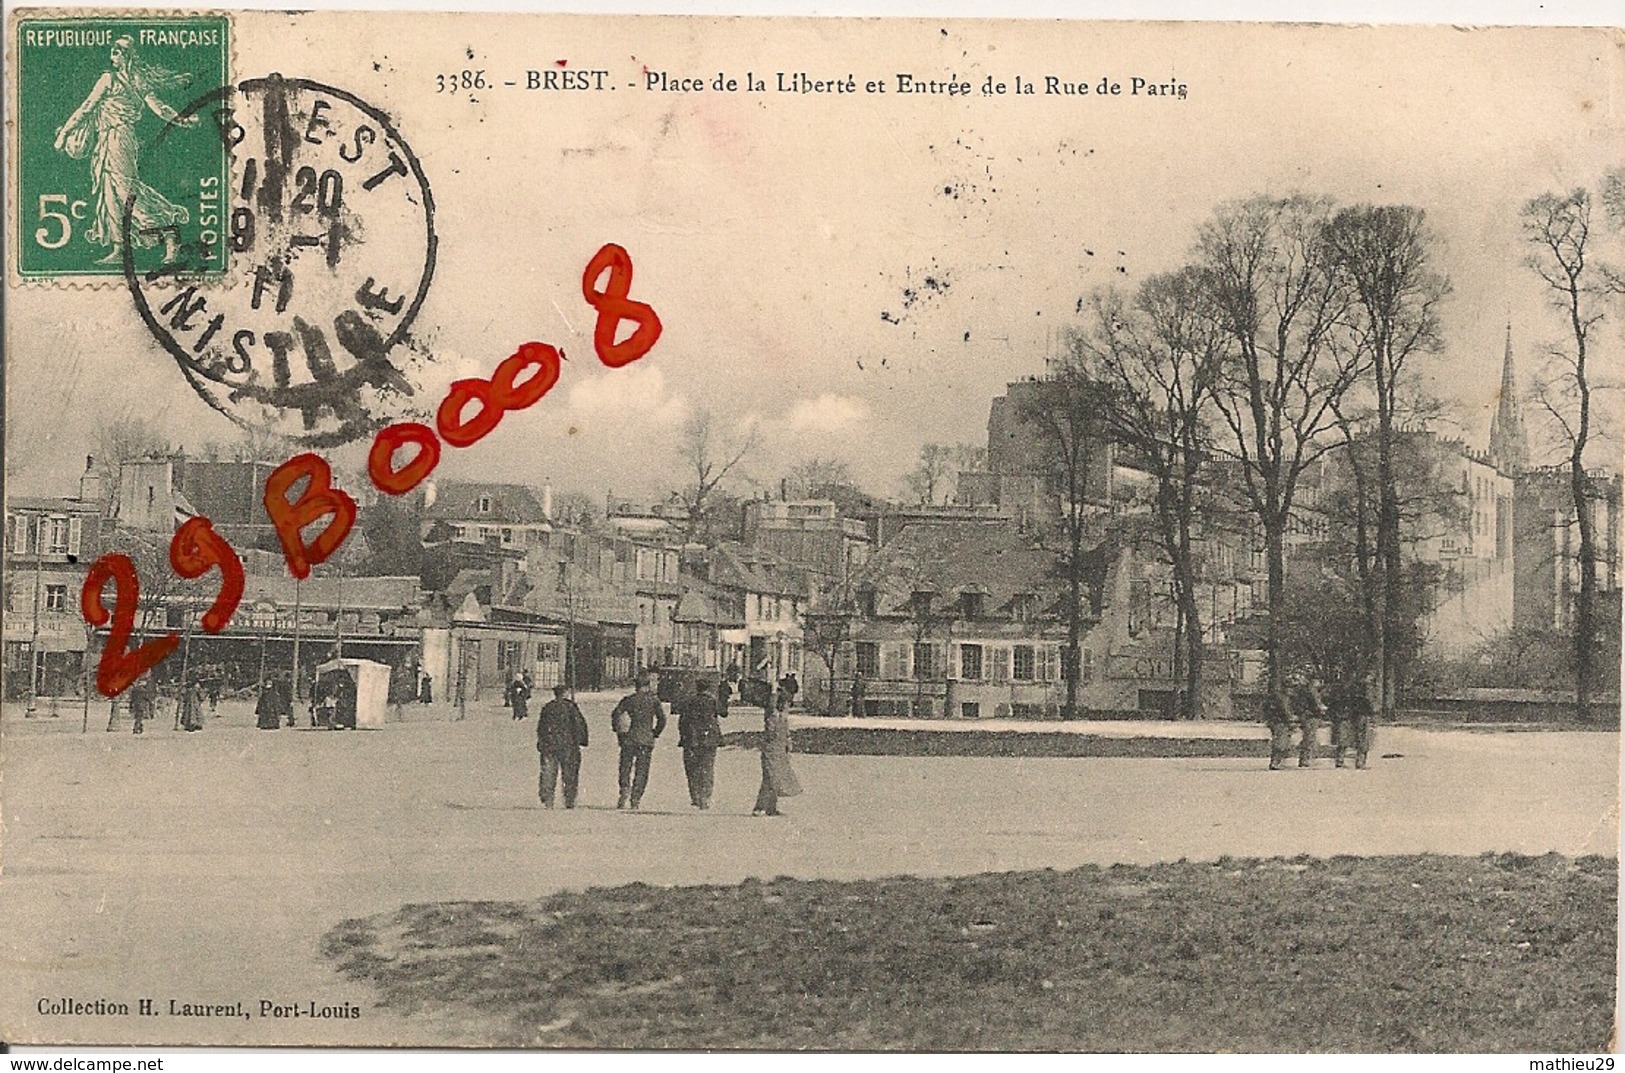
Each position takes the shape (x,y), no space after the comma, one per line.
(108,155)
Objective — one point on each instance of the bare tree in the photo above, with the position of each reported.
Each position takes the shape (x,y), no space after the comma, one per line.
(126,438)
(1581,289)
(1069,412)
(1160,361)
(1384,254)
(710,453)
(1280,302)
(815,475)
(929,478)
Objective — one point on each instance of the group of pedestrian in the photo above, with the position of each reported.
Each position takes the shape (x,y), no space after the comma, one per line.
(639,719)
(1302,702)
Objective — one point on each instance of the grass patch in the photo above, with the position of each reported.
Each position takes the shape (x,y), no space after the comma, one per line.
(887,741)
(1422,953)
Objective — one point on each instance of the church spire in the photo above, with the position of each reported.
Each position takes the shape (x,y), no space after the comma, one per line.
(1509,448)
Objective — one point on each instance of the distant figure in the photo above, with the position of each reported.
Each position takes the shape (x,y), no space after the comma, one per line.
(426,689)
(638,720)
(215,685)
(268,706)
(859,689)
(1311,710)
(1278,717)
(1351,708)
(141,704)
(788,688)
(192,701)
(778,777)
(344,701)
(561,734)
(519,696)
(699,733)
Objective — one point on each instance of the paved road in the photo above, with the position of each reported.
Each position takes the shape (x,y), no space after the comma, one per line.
(207,867)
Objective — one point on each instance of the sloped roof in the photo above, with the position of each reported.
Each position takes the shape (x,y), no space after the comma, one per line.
(990,558)
(703,604)
(511,504)
(353,593)
(736,566)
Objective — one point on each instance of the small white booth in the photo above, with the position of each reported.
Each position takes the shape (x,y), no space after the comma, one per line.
(371,687)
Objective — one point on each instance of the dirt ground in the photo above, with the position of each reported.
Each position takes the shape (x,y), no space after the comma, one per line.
(204,868)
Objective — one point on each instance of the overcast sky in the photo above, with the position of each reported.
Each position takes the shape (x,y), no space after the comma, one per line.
(781,236)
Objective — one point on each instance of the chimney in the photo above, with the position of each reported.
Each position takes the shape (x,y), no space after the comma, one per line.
(547,500)
(428,494)
(90,482)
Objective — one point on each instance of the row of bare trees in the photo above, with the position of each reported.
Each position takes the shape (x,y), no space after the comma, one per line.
(1298,329)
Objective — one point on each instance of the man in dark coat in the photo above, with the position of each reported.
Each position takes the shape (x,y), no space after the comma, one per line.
(698,734)
(141,704)
(268,707)
(1278,717)
(1351,710)
(561,734)
(638,720)
(1311,709)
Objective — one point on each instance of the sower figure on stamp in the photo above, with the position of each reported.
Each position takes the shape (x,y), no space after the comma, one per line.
(778,777)
(699,733)
(104,128)
(561,734)
(638,720)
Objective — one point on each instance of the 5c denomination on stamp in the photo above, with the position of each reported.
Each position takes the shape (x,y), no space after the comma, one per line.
(100,134)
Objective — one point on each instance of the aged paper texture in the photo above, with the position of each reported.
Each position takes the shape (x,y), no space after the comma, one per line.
(1009,449)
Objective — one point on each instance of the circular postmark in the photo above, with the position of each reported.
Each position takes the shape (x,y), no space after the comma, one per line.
(327,234)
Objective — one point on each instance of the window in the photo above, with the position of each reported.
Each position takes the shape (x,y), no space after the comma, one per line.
(508,655)
(970,710)
(19,534)
(970,605)
(56,597)
(970,662)
(998,657)
(484,505)
(507,537)
(1023,606)
(925,661)
(866,603)
(1022,657)
(57,538)
(868,659)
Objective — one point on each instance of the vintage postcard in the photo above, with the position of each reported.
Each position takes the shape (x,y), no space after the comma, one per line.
(783,533)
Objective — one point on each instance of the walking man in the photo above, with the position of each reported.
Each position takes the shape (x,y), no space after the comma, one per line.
(1352,710)
(699,732)
(1311,711)
(1278,717)
(561,734)
(638,720)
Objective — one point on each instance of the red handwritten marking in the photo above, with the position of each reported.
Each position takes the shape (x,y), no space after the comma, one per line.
(381,459)
(319,500)
(561,63)
(613,307)
(497,395)
(195,549)
(120,667)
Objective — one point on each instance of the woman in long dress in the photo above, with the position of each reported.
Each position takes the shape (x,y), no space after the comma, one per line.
(778,777)
(104,126)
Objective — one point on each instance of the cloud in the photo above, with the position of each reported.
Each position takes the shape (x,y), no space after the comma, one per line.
(827,413)
(621,396)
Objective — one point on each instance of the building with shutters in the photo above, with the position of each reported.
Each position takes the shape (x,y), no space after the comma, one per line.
(50,544)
